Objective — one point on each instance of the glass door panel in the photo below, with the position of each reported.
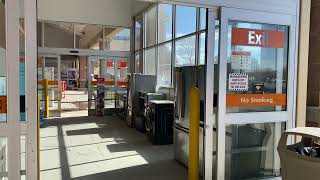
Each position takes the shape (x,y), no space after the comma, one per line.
(114,71)
(108,67)
(48,69)
(51,74)
(93,74)
(255,92)
(257,63)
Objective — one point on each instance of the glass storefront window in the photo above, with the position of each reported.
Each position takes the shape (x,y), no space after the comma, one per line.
(116,39)
(88,36)
(251,151)
(150,27)
(3,81)
(137,36)
(58,34)
(164,22)
(185,51)
(203,18)
(137,62)
(257,67)
(186,20)
(164,65)
(150,61)
(202,49)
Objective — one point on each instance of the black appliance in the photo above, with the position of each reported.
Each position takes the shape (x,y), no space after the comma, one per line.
(159,121)
(144,99)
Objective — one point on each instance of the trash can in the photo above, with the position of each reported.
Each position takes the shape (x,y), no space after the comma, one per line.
(295,165)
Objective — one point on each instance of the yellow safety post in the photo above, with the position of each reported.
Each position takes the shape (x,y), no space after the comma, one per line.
(194,121)
(38,135)
(46,98)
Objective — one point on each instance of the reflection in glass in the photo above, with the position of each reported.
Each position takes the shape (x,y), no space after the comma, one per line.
(150,27)
(150,61)
(203,18)
(186,20)
(251,151)
(88,36)
(137,36)
(164,65)
(185,51)
(3,83)
(137,62)
(202,49)
(116,39)
(265,64)
(165,23)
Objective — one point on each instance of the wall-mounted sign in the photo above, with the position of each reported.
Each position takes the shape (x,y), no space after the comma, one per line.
(257,37)
(238,82)
(3,104)
(256,100)
(241,60)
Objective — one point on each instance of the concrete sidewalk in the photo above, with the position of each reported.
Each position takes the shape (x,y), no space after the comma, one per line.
(94,148)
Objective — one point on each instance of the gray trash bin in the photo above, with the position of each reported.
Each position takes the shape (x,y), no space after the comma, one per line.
(295,166)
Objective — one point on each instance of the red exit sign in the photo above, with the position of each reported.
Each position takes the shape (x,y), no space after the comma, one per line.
(257,37)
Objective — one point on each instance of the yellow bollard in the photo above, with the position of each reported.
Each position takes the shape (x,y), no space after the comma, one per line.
(194,121)
(46,98)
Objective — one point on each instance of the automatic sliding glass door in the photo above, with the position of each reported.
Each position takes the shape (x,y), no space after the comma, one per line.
(256,92)
(112,71)
(49,70)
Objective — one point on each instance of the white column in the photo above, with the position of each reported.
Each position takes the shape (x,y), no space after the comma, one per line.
(31,88)
(210,116)
(13,100)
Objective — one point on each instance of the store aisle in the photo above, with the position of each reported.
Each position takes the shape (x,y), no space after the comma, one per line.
(94,148)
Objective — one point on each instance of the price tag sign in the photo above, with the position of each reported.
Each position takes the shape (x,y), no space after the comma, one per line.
(238,82)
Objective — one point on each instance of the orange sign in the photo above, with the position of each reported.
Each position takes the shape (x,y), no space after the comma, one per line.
(257,37)
(3,104)
(254,100)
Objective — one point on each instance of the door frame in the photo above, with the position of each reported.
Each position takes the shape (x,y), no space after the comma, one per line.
(13,128)
(225,118)
(106,55)
(58,59)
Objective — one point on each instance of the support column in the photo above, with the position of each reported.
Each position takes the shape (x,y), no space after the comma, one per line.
(305,8)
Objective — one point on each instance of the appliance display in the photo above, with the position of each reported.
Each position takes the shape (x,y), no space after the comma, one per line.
(183,84)
(159,121)
(144,100)
(138,83)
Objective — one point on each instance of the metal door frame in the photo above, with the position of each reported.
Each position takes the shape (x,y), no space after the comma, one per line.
(225,118)
(107,55)
(210,114)
(58,58)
